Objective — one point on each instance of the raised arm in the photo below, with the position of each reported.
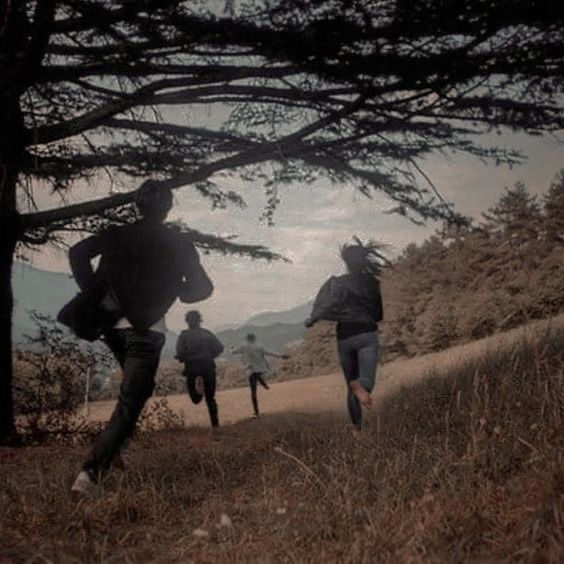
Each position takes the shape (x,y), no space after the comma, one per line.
(275,354)
(80,259)
(325,301)
(217,347)
(197,285)
(180,347)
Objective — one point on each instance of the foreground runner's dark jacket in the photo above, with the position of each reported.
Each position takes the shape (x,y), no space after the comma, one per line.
(145,266)
(197,343)
(349,299)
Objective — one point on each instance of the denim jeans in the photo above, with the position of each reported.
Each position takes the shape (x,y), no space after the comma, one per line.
(138,353)
(358,356)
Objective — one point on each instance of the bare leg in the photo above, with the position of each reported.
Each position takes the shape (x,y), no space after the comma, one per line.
(364,396)
(354,408)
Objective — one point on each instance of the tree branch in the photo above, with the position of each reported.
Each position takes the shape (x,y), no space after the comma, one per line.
(146,95)
(288,144)
(204,73)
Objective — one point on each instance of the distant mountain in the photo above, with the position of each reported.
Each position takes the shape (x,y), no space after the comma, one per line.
(225,327)
(40,290)
(46,292)
(274,329)
(274,337)
(295,315)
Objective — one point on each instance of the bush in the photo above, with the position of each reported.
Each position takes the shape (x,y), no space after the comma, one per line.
(51,381)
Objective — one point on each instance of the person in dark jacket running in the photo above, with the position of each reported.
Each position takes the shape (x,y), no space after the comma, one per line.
(354,301)
(254,359)
(198,348)
(143,268)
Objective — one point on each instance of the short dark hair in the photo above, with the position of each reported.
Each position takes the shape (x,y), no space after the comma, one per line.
(193,317)
(251,337)
(153,199)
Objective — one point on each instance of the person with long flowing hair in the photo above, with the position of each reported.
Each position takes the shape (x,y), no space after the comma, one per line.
(354,301)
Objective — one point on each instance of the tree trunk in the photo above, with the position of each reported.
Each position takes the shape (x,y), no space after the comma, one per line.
(7,245)
(11,151)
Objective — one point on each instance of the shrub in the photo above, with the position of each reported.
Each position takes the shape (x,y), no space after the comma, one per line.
(51,383)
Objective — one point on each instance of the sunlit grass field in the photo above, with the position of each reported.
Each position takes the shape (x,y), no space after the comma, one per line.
(466,465)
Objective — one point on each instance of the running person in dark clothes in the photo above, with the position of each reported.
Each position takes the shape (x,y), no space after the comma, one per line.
(143,268)
(198,348)
(254,360)
(354,301)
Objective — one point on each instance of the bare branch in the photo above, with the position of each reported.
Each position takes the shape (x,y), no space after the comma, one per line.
(287,145)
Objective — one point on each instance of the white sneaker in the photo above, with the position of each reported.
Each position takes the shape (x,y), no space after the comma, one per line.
(84,484)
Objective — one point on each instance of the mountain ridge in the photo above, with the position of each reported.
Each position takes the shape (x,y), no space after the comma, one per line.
(40,290)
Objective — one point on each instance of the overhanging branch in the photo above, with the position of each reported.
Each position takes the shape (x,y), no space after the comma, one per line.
(289,145)
(147,95)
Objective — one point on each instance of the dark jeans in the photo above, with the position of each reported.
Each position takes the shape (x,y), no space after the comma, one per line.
(205,369)
(358,356)
(254,379)
(138,354)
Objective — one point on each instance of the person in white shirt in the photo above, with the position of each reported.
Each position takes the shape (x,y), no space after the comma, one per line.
(254,359)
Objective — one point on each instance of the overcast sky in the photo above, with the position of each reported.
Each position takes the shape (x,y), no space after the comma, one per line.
(312,221)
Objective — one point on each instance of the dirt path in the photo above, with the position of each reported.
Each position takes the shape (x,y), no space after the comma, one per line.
(327,393)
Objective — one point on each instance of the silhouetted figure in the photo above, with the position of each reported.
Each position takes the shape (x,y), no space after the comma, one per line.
(143,268)
(198,348)
(354,301)
(254,360)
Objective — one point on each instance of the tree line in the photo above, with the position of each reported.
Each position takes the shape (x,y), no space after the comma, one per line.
(463,283)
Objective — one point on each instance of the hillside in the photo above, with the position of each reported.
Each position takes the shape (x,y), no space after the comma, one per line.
(462,465)
(327,392)
(462,284)
(295,315)
(43,291)
(40,290)
(275,330)
(459,285)
(46,292)
(273,337)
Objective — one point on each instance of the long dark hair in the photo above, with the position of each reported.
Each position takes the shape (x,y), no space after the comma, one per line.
(364,258)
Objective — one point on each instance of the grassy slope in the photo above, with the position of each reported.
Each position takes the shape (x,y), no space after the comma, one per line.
(327,392)
(464,466)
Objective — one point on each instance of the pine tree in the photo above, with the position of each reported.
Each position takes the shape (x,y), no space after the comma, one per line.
(553,212)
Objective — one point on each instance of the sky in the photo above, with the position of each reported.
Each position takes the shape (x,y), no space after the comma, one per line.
(313,221)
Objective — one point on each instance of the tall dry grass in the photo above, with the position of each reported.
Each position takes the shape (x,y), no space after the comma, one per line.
(465,466)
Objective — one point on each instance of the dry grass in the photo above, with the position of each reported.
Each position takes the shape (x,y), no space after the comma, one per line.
(462,466)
